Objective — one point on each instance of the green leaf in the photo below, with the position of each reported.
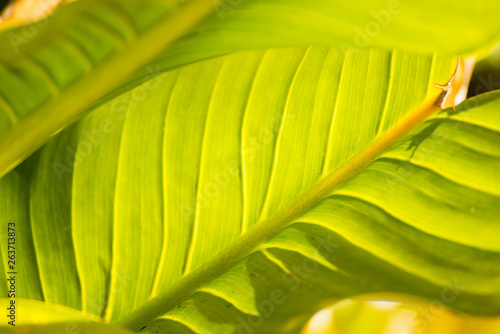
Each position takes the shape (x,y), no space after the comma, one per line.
(470,28)
(222,196)
(77,58)
(45,319)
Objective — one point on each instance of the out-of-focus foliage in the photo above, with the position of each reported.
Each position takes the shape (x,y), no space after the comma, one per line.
(354,316)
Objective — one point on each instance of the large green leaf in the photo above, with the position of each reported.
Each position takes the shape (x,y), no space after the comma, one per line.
(84,51)
(209,192)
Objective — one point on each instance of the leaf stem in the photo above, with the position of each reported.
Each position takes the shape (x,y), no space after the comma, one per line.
(267,228)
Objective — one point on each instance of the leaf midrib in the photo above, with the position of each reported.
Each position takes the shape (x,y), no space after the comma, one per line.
(265,229)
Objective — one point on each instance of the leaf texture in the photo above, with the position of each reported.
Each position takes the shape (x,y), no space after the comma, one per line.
(76,59)
(134,202)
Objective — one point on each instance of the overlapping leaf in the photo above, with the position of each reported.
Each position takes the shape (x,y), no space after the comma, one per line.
(449,27)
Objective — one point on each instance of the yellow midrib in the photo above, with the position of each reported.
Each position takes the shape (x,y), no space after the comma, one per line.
(265,229)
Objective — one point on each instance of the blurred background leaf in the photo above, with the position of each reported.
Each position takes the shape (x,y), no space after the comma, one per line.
(353,316)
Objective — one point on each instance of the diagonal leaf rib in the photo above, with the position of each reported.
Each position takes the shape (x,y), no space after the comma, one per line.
(332,123)
(381,122)
(265,206)
(244,222)
(189,255)
(263,230)
(165,231)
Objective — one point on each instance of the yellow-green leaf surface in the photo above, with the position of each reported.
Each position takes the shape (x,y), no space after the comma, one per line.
(204,200)
(43,318)
(53,71)
(451,27)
